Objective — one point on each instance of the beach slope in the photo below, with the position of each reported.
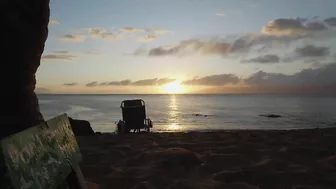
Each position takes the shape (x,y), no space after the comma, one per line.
(297,159)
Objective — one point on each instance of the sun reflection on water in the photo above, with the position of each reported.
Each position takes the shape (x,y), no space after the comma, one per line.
(173,127)
(173,114)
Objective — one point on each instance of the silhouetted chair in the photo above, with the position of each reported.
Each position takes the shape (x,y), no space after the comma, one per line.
(134,116)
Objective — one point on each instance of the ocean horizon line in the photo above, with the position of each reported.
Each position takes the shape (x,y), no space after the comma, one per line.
(181,94)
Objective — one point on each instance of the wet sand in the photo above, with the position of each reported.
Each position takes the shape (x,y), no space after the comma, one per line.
(301,159)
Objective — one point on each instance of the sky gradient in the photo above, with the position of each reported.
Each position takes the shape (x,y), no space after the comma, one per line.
(214,46)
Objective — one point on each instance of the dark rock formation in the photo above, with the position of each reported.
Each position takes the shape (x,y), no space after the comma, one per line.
(25,30)
(270,115)
(81,127)
(197,115)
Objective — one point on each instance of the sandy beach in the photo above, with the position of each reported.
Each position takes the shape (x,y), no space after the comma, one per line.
(296,159)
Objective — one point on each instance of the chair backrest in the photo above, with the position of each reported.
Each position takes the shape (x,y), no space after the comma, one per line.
(134,113)
(41,157)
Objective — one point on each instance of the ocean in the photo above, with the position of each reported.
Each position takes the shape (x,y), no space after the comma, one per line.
(177,112)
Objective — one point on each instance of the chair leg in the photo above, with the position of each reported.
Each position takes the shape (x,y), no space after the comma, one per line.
(76,180)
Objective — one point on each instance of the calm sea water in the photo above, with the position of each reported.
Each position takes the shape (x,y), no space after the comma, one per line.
(175,112)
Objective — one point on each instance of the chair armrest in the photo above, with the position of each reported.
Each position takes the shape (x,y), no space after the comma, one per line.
(149,122)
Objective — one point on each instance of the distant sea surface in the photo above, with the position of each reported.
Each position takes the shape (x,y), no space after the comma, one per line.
(177,112)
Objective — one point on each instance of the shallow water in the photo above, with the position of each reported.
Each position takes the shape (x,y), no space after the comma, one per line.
(175,112)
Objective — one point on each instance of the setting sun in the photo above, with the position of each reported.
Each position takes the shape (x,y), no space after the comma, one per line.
(173,88)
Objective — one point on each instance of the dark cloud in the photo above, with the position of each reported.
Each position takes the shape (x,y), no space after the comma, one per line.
(312,51)
(318,80)
(58,57)
(61,52)
(193,46)
(264,59)
(319,77)
(308,54)
(331,21)
(73,38)
(289,26)
(316,26)
(144,82)
(155,81)
(92,84)
(123,82)
(164,81)
(222,47)
(101,33)
(214,80)
(277,34)
(70,84)
(131,29)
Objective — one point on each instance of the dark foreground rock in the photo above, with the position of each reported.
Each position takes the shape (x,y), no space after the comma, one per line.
(25,26)
(81,127)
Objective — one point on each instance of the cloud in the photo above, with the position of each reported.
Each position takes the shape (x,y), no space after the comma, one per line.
(164,81)
(323,76)
(73,38)
(330,21)
(67,55)
(54,22)
(147,38)
(116,83)
(155,81)
(193,46)
(70,84)
(143,82)
(159,31)
(131,30)
(264,59)
(58,57)
(289,26)
(223,47)
(319,77)
(280,34)
(61,52)
(312,51)
(101,33)
(318,80)
(214,80)
(92,84)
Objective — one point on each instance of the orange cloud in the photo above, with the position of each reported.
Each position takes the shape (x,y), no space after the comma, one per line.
(54,22)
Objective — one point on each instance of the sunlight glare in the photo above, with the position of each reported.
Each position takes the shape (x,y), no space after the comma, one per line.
(173,88)
(173,127)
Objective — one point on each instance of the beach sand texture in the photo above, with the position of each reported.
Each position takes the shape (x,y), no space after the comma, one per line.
(300,159)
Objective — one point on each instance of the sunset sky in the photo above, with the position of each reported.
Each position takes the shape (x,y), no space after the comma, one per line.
(189,46)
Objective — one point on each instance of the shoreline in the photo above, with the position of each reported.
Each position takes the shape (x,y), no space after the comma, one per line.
(244,159)
(226,130)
